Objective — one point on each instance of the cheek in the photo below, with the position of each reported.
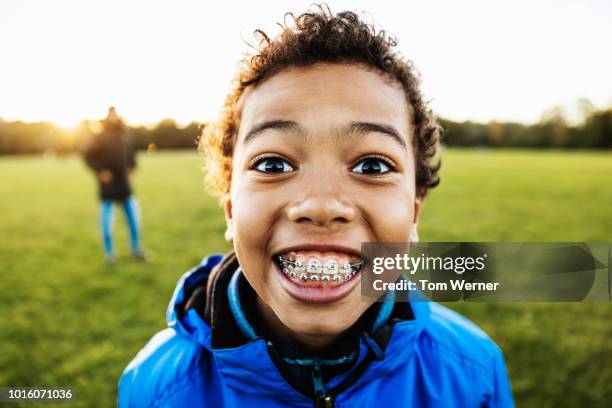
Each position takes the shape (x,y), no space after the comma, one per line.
(250,229)
(390,214)
(254,214)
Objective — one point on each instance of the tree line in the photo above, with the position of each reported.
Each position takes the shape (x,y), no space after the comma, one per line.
(595,132)
(44,137)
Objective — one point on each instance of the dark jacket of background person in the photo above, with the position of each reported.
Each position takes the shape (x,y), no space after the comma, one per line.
(111,150)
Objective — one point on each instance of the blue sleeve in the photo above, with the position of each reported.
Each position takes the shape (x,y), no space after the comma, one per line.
(503,391)
(125,399)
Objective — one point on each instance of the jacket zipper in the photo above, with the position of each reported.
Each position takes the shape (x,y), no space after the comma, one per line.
(322,399)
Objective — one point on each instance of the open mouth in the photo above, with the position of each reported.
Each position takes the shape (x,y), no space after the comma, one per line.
(318,269)
(318,276)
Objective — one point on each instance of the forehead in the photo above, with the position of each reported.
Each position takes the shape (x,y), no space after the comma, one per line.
(326,95)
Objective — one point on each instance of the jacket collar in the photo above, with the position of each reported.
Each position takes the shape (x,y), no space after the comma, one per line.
(246,364)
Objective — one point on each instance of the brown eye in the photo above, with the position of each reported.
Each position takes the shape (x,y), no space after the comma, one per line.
(372,165)
(273,165)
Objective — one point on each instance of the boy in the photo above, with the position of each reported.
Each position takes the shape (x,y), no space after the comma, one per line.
(324,143)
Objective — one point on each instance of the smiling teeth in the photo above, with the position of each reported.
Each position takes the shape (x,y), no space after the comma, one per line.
(331,267)
(314,271)
(313,266)
(298,264)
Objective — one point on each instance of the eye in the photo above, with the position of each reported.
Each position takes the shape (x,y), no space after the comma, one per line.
(273,165)
(373,165)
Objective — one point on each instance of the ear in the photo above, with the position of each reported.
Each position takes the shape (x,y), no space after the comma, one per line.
(414,233)
(227,209)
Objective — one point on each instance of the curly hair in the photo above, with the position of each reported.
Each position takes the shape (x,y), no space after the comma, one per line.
(313,37)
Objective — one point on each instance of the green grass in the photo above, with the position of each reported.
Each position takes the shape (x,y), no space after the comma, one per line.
(69,320)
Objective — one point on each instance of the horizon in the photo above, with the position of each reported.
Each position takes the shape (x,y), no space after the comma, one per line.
(167,61)
(572,118)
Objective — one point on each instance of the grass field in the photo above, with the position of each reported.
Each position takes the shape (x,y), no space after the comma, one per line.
(69,320)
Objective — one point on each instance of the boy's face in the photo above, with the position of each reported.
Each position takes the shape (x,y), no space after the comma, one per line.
(322,162)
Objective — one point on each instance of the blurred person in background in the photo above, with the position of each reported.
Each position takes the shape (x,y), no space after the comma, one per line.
(111,156)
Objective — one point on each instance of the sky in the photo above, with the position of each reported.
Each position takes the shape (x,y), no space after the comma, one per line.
(65,61)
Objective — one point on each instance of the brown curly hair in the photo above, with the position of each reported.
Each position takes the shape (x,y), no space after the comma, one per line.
(312,37)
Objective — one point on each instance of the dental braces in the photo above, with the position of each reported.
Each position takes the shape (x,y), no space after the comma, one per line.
(316,271)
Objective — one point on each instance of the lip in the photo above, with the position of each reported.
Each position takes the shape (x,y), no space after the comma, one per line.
(319,248)
(317,294)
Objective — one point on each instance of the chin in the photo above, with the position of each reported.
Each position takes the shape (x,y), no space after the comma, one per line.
(319,320)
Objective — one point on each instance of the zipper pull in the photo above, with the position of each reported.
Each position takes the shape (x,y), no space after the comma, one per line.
(324,402)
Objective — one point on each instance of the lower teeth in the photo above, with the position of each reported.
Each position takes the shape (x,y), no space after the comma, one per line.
(323,278)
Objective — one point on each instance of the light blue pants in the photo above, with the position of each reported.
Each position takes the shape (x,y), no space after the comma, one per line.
(132,217)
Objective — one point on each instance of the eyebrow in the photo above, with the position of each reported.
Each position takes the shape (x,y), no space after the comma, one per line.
(370,127)
(355,127)
(278,124)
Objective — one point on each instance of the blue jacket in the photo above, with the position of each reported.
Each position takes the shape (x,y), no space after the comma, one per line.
(437,359)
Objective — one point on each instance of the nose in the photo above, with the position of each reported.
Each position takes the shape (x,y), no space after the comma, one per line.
(321,209)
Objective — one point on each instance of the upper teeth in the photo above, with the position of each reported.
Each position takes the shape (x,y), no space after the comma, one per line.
(313,266)
(330,269)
